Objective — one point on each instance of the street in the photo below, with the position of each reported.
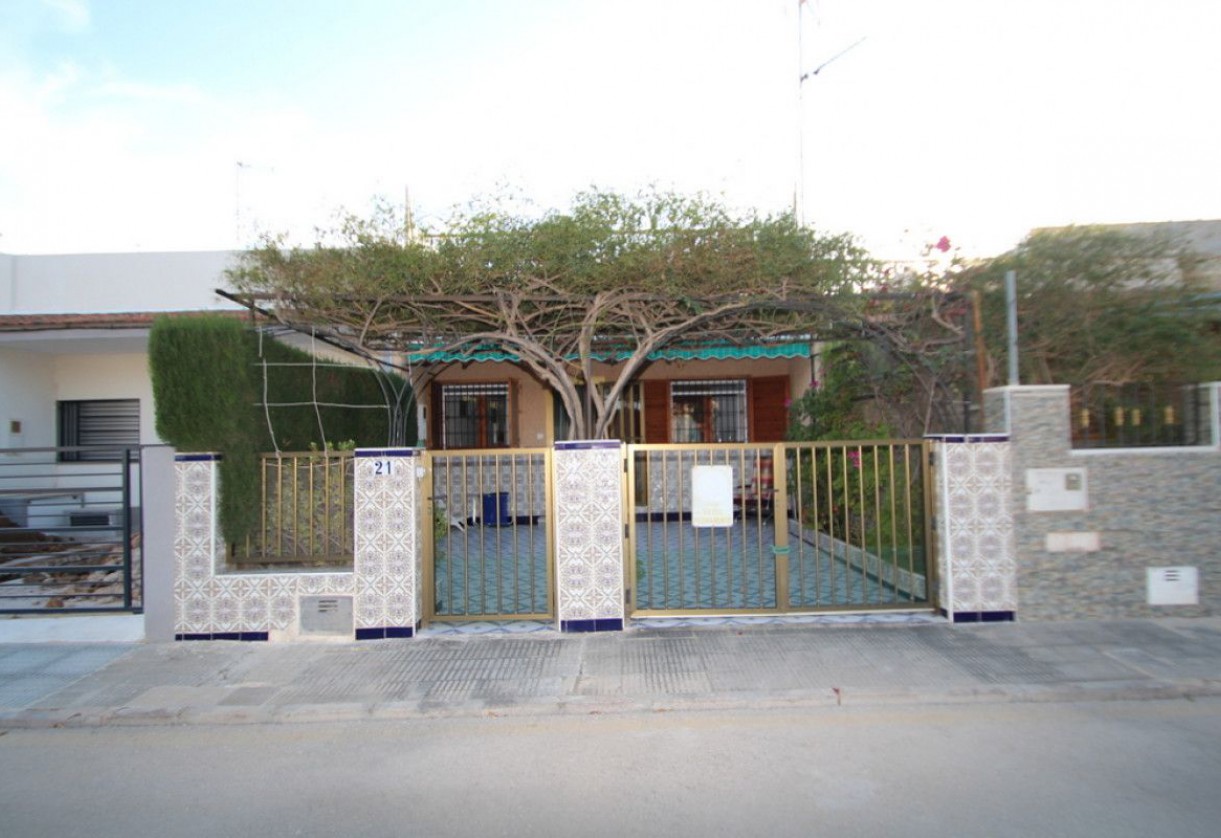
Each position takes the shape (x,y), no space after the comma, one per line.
(1008,769)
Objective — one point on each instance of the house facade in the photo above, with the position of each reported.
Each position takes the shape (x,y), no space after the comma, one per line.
(710,395)
(74,341)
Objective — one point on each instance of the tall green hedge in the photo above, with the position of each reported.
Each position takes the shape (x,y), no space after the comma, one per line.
(208,389)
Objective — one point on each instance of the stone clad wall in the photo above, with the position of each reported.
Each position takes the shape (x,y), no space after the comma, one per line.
(1142,509)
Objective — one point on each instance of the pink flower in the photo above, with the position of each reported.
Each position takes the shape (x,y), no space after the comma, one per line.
(854,457)
(943,244)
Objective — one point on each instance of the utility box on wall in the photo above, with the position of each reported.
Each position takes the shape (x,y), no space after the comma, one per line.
(326,615)
(1056,490)
(1173,585)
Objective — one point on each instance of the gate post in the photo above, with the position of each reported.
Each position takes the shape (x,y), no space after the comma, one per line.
(387,542)
(976,569)
(589,535)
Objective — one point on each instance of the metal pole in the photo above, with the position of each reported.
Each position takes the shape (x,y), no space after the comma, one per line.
(1011,309)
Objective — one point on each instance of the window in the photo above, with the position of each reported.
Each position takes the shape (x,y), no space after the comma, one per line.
(113,423)
(474,415)
(708,411)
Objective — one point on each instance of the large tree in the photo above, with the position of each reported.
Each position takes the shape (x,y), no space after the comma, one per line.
(612,279)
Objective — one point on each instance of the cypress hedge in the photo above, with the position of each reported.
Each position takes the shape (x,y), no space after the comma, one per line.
(208,390)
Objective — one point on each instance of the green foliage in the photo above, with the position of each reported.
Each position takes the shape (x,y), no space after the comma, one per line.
(208,387)
(837,408)
(1099,305)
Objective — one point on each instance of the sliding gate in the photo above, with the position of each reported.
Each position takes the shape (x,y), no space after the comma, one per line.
(815,527)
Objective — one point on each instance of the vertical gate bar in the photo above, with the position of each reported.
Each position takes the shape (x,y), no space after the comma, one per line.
(466,540)
(483,535)
(666,560)
(631,595)
(497,532)
(864,540)
(328,538)
(455,467)
(926,467)
(308,517)
(426,518)
(549,528)
(799,511)
(516,541)
(780,526)
(281,492)
(665,529)
(531,505)
(877,525)
(742,558)
(895,553)
(832,591)
(296,506)
(761,560)
(347,480)
(126,534)
(911,534)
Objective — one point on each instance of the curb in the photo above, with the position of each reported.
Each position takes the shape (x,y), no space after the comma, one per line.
(830,699)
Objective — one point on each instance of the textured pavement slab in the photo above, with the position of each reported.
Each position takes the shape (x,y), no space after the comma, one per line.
(642,669)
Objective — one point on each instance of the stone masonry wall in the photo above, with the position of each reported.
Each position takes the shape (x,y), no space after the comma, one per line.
(1141,509)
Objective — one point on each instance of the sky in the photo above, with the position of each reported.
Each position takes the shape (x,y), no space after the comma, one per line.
(157,125)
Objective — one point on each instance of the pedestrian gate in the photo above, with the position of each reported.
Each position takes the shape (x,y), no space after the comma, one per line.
(492,543)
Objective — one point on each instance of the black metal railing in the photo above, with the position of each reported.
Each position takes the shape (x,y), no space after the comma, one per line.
(1139,415)
(70,530)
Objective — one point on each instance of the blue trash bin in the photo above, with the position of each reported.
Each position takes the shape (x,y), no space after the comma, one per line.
(496,509)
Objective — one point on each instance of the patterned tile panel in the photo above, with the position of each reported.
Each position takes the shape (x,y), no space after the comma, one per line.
(589,531)
(977,546)
(383,581)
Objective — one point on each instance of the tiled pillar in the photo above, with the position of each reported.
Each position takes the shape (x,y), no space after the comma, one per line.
(387,543)
(976,547)
(589,535)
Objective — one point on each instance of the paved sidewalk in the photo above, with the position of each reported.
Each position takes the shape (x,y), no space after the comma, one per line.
(649,669)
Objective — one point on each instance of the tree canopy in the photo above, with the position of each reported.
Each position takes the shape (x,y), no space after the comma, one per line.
(1098,305)
(612,279)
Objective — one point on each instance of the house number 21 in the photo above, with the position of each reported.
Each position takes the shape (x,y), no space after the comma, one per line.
(383,468)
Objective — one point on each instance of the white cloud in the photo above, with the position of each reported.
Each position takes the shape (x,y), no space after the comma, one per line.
(73,14)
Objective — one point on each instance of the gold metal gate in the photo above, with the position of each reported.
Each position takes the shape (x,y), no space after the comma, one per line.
(840,526)
(488,535)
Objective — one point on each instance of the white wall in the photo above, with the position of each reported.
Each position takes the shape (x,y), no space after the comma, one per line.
(27,395)
(99,283)
(79,377)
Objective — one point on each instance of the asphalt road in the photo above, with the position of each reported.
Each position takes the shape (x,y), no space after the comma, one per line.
(1137,768)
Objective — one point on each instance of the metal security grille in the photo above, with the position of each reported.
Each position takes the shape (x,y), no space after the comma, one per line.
(708,411)
(1139,415)
(815,527)
(100,430)
(474,415)
(70,534)
(306,515)
(492,545)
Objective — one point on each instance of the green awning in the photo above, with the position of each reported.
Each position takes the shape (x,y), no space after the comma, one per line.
(715,352)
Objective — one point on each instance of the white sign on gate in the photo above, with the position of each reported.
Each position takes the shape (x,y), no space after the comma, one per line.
(712,496)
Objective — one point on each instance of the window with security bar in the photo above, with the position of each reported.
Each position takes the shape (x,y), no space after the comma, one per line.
(112,424)
(708,411)
(474,415)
